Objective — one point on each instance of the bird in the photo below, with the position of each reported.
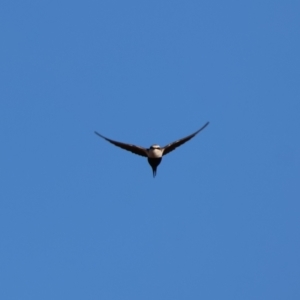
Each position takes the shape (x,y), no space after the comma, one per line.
(155,152)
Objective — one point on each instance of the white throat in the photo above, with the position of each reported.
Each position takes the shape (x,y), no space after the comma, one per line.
(154,153)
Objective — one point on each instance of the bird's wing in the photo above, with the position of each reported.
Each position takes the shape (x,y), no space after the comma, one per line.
(134,149)
(170,147)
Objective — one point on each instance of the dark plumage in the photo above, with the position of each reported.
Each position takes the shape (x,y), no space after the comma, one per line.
(155,152)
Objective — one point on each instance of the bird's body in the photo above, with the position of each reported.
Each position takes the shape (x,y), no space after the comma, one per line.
(154,162)
(155,152)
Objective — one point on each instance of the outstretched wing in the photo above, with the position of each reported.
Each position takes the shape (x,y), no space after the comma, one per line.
(170,147)
(132,148)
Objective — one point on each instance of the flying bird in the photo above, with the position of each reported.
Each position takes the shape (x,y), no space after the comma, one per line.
(155,152)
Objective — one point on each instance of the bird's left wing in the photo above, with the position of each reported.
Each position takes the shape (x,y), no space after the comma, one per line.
(170,147)
(133,148)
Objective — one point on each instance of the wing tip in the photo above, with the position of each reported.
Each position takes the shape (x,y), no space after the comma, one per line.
(206,124)
(99,134)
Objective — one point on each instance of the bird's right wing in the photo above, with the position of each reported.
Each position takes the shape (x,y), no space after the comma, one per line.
(132,148)
(170,147)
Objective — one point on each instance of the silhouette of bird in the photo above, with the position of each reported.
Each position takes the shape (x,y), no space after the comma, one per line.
(155,152)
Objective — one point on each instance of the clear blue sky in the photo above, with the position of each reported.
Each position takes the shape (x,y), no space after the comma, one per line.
(82,219)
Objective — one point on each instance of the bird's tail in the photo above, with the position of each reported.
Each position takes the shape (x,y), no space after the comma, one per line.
(154,172)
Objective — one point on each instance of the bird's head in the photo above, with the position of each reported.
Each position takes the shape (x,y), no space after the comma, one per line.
(155,146)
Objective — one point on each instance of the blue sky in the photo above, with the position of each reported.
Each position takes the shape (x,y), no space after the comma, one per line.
(82,219)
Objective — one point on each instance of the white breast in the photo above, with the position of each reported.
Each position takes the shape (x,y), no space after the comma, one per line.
(155,153)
